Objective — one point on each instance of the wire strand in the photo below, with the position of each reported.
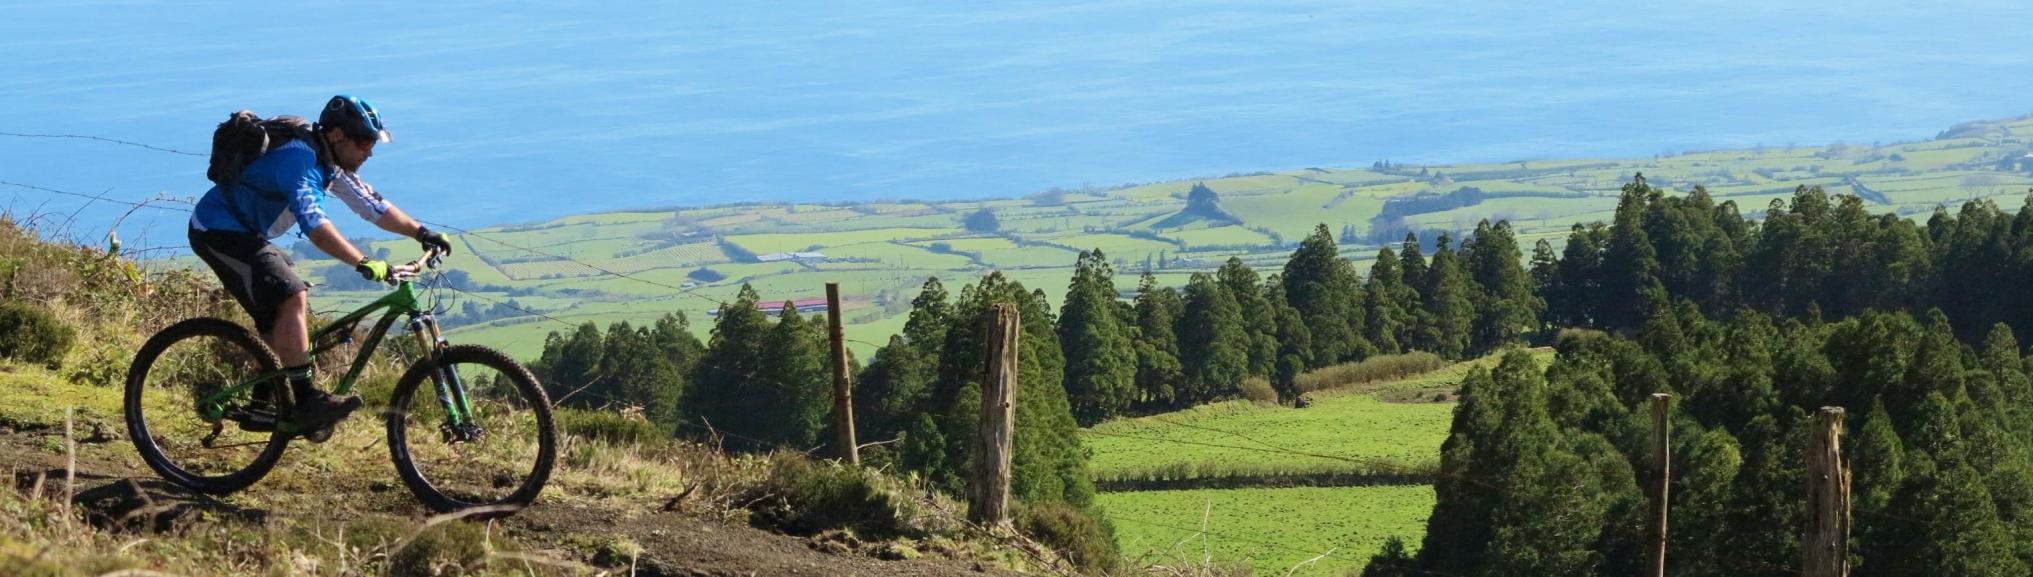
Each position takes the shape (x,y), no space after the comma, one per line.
(101,139)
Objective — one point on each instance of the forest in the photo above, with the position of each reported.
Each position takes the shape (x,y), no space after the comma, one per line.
(1751,319)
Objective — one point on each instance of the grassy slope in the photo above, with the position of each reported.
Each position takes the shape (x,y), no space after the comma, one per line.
(1270,530)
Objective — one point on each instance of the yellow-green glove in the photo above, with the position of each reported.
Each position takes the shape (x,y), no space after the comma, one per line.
(373,270)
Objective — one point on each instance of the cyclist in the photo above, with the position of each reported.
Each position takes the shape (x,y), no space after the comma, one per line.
(231,228)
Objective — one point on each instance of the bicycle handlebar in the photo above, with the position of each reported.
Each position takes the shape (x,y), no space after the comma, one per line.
(409,271)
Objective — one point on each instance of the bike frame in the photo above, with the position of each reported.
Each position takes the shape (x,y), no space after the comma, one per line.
(398,303)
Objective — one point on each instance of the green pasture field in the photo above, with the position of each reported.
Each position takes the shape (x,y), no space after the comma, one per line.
(1270,530)
(1350,429)
(794,242)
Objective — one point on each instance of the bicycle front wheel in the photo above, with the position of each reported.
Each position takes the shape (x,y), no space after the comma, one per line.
(497,456)
(181,421)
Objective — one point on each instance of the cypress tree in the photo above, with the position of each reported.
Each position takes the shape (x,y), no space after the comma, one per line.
(1448,308)
(1389,322)
(1049,463)
(1100,354)
(1630,265)
(1319,284)
(925,329)
(1295,342)
(635,373)
(1505,306)
(1158,369)
(572,364)
(1545,278)
(1211,342)
(795,394)
(889,391)
(721,396)
(1259,322)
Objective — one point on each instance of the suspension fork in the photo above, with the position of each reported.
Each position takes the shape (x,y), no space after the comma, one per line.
(451,391)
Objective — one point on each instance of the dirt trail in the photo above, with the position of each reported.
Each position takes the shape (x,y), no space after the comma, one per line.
(116,494)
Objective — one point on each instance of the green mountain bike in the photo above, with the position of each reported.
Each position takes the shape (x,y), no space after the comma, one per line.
(207,406)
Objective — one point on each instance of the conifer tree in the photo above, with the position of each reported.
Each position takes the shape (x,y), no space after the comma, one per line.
(792,383)
(925,329)
(1259,322)
(1449,311)
(635,373)
(1049,463)
(1211,342)
(1158,369)
(1505,306)
(1295,342)
(1630,283)
(1389,322)
(1319,284)
(1545,278)
(1100,353)
(721,395)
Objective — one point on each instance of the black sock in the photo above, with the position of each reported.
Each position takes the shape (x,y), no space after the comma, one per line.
(300,381)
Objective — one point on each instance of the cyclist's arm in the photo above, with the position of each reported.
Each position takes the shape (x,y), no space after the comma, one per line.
(327,238)
(361,197)
(398,222)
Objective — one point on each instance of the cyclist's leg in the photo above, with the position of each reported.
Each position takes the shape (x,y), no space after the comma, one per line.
(291,337)
(238,261)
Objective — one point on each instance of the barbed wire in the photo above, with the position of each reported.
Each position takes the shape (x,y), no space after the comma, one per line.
(101,197)
(101,139)
(603,270)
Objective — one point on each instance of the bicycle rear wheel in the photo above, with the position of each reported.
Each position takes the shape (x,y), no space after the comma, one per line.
(190,441)
(501,462)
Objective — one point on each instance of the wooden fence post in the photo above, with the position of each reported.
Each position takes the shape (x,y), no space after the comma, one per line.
(843,396)
(1824,548)
(990,486)
(1663,451)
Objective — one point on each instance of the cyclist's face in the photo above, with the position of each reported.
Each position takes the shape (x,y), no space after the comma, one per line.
(349,153)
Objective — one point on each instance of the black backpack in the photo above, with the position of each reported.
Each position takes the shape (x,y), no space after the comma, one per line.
(246,136)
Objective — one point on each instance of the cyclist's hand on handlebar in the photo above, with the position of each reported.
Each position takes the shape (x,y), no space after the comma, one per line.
(433,240)
(373,270)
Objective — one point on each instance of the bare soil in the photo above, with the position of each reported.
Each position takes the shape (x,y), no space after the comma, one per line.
(118,494)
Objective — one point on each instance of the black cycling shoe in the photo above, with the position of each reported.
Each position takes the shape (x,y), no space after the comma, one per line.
(259,415)
(321,410)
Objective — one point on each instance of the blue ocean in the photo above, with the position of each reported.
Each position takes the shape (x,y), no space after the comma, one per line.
(513,112)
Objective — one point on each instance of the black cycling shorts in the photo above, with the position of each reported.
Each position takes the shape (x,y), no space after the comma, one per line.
(254,271)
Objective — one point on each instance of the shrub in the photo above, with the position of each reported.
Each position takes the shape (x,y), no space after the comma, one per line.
(1259,391)
(609,427)
(1075,534)
(1373,369)
(31,335)
(804,498)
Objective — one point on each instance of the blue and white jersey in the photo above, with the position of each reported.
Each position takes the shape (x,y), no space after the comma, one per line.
(359,196)
(285,186)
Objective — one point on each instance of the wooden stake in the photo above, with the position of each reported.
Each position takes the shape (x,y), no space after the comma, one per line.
(70,465)
(1824,548)
(1663,451)
(843,396)
(990,486)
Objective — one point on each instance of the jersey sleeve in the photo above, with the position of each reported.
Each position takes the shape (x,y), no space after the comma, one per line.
(359,196)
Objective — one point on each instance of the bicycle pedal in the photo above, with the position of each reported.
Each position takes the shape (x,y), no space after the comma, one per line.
(253,420)
(319,436)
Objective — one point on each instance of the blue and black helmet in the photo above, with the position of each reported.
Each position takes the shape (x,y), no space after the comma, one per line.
(355,117)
